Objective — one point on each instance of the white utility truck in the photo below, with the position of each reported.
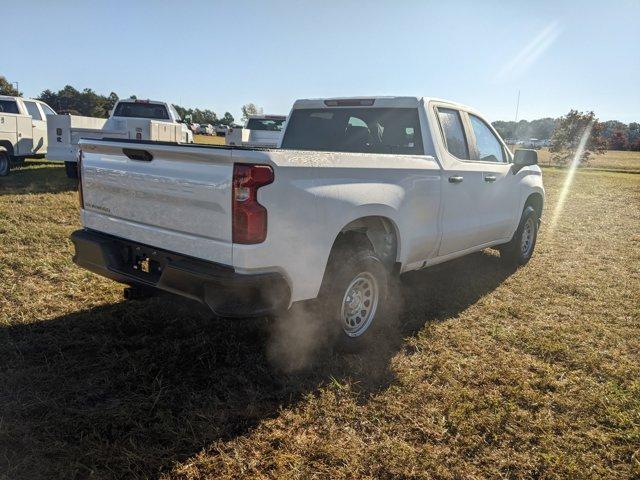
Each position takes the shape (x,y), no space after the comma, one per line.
(258,131)
(130,119)
(23,130)
(361,190)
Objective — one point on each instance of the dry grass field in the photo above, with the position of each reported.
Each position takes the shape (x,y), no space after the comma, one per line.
(611,160)
(494,374)
(208,139)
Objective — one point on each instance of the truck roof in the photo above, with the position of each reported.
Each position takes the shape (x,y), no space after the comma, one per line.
(10,97)
(372,101)
(268,117)
(140,100)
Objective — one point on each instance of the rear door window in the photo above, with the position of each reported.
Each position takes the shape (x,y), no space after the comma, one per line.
(363,130)
(453,133)
(8,106)
(33,110)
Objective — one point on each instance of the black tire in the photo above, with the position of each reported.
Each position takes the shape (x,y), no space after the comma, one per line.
(5,165)
(520,250)
(354,268)
(71,168)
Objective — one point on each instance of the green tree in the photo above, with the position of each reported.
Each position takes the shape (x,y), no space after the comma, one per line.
(227,119)
(577,133)
(250,109)
(87,102)
(634,134)
(7,88)
(542,128)
(618,141)
(506,130)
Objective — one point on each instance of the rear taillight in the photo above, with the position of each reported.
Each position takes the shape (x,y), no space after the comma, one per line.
(249,217)
(80,196)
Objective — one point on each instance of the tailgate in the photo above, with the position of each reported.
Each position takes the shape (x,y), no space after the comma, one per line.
(178,198)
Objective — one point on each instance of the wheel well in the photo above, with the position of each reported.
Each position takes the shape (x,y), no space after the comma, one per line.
(8,145)
(536,201)
(378,232)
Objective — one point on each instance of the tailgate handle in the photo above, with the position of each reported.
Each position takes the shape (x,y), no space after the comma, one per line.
(135,154)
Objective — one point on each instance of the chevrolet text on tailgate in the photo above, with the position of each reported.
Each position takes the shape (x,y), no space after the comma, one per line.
(362,190)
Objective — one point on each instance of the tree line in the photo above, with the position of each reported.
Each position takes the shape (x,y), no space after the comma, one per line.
(611,134)
(617,135)
(91,104)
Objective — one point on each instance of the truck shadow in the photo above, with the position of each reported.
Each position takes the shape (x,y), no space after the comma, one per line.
(37,176)
(129,389)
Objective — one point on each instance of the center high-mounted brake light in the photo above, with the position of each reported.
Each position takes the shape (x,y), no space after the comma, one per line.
(350,102)
(249,224)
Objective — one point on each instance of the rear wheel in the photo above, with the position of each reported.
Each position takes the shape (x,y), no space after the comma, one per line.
(520,249)
(71,168)
(4,164)
(356,298)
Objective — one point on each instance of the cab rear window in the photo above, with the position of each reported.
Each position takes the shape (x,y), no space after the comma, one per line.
(363,130)
(141,110)
(268,124)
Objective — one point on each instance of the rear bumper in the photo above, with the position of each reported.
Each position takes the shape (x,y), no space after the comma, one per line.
(226,292)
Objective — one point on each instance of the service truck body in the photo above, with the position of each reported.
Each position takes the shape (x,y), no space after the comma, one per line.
(418,181)
(23,129)
(130,119)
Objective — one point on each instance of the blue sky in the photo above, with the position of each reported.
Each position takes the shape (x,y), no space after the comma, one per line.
(220,55)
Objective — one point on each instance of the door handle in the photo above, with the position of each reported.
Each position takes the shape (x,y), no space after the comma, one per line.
(456,179)
(490,178)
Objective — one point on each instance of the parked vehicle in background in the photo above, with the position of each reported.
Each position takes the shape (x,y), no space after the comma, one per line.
(258,131)
(534,143)
(221,130)
(205,129)
(363,189)
(23,130)
(130,119)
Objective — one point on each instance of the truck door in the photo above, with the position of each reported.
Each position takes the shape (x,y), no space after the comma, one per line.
(39,127)
(461,182)
(498,199)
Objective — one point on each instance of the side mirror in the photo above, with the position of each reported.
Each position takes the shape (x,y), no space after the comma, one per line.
(524,158)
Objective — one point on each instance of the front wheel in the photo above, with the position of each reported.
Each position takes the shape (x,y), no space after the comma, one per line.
(4,164)
(71,169)
(356,298)
(520,249)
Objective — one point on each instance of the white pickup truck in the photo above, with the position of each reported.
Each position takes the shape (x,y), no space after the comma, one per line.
(130,119)
(23,130)
(362,190)
(258,131)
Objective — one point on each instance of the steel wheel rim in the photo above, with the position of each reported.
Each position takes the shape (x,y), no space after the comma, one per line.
(359,304)
(4,163)
(526,241)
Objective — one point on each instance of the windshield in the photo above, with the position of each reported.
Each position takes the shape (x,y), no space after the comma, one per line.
(269,124)
(47,109)
(141,110)
(365,130)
